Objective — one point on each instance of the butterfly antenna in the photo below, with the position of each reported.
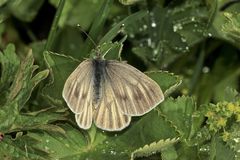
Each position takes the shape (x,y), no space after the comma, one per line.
(90,38)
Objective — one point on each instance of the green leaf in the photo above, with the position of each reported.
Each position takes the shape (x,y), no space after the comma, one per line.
(25,10)
(97,24)
(180,113)
(153,148)
(20,92)
(78,12)
(231,29)
(75,144)
(60,67)
(131,19)
(128,2)
(9,65)
(20,148)
(220,151)
(167,81)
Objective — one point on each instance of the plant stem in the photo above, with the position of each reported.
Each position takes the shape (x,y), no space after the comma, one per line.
(198,69)
(54,26)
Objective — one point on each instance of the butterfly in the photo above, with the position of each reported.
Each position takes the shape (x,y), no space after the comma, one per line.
(108,93)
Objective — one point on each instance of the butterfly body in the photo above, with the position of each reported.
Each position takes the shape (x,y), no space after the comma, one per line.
(99,70)
(108,93)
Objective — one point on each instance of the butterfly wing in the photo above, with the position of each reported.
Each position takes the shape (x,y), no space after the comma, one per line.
(78,88)
(135,93)
(84,119)
(108,116)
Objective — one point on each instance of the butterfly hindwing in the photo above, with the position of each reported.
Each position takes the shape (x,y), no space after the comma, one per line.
(108,115)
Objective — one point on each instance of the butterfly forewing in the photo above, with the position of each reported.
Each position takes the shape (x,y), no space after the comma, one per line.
(135,93)
(78,89)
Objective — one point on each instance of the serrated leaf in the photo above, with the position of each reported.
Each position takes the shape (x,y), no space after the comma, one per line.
(75,144)
(167,81)
(9,65)
(180,113)
(20,92)
(231,28)
(20,148)
(60,67)
(153,148)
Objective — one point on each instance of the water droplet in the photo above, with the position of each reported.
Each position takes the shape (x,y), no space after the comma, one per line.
(46,148)
(193,19)
(103,151)
(155,52)
(209,34)
(47,140)
(237,140)
(153,24)
(177,27)
(149,41)
(144,26)
(205,69)
(183,39)
(106,142)
(113,152)
(187,48)
(131,35)
(67,145)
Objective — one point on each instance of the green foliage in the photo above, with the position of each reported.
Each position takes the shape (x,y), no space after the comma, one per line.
(189,47)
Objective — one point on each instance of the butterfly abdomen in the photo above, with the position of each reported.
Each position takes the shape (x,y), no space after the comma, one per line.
(99,69)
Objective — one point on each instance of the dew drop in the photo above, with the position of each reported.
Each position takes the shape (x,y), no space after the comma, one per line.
(131,36)
(183,39)
(144,26)
(177,27)
(153,24)
(205,69)
(113,152)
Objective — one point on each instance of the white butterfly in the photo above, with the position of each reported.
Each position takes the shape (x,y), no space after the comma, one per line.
(108,93)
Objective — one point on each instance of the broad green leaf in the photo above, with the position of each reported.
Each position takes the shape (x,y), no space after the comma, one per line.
(60,67)
(220,151)
(75,144)
(20,148)
(167,81)
(180,113)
